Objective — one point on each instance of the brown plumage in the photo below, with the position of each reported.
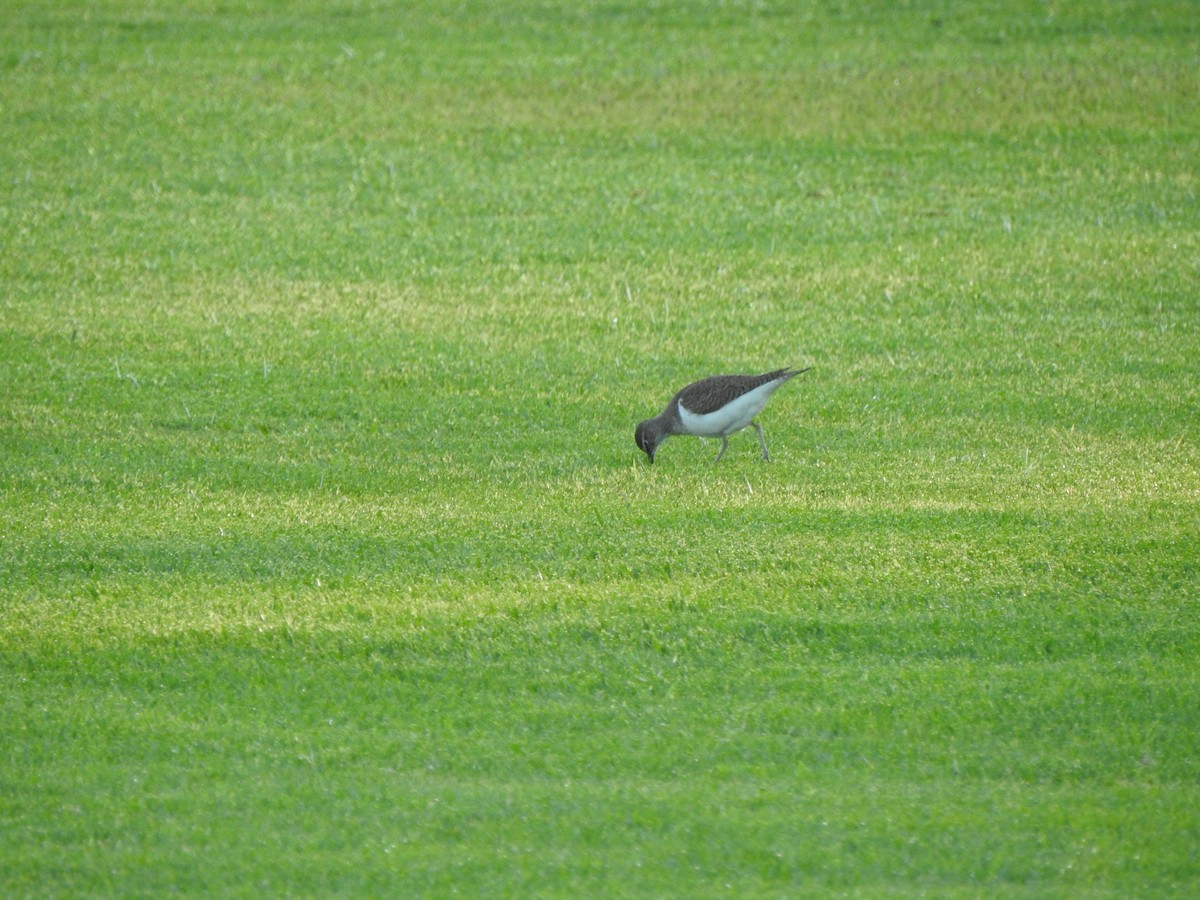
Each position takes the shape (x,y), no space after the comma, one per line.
(713,407)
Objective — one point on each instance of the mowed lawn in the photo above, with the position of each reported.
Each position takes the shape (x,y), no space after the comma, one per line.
(328,565)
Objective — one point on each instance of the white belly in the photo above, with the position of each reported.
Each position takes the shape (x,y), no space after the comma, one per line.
(731,417)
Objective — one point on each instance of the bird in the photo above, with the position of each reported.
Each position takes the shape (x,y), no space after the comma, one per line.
(714,407)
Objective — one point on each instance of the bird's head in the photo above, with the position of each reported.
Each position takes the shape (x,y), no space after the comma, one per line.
(647,438)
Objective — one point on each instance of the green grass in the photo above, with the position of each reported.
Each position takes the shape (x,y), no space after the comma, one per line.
(329,565)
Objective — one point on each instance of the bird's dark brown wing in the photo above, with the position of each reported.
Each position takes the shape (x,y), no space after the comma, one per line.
(710,394)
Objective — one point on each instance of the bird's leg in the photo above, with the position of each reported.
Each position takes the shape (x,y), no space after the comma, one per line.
(761,440)
(724,447)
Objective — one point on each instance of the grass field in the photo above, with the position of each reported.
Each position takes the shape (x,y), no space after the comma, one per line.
(329,565)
